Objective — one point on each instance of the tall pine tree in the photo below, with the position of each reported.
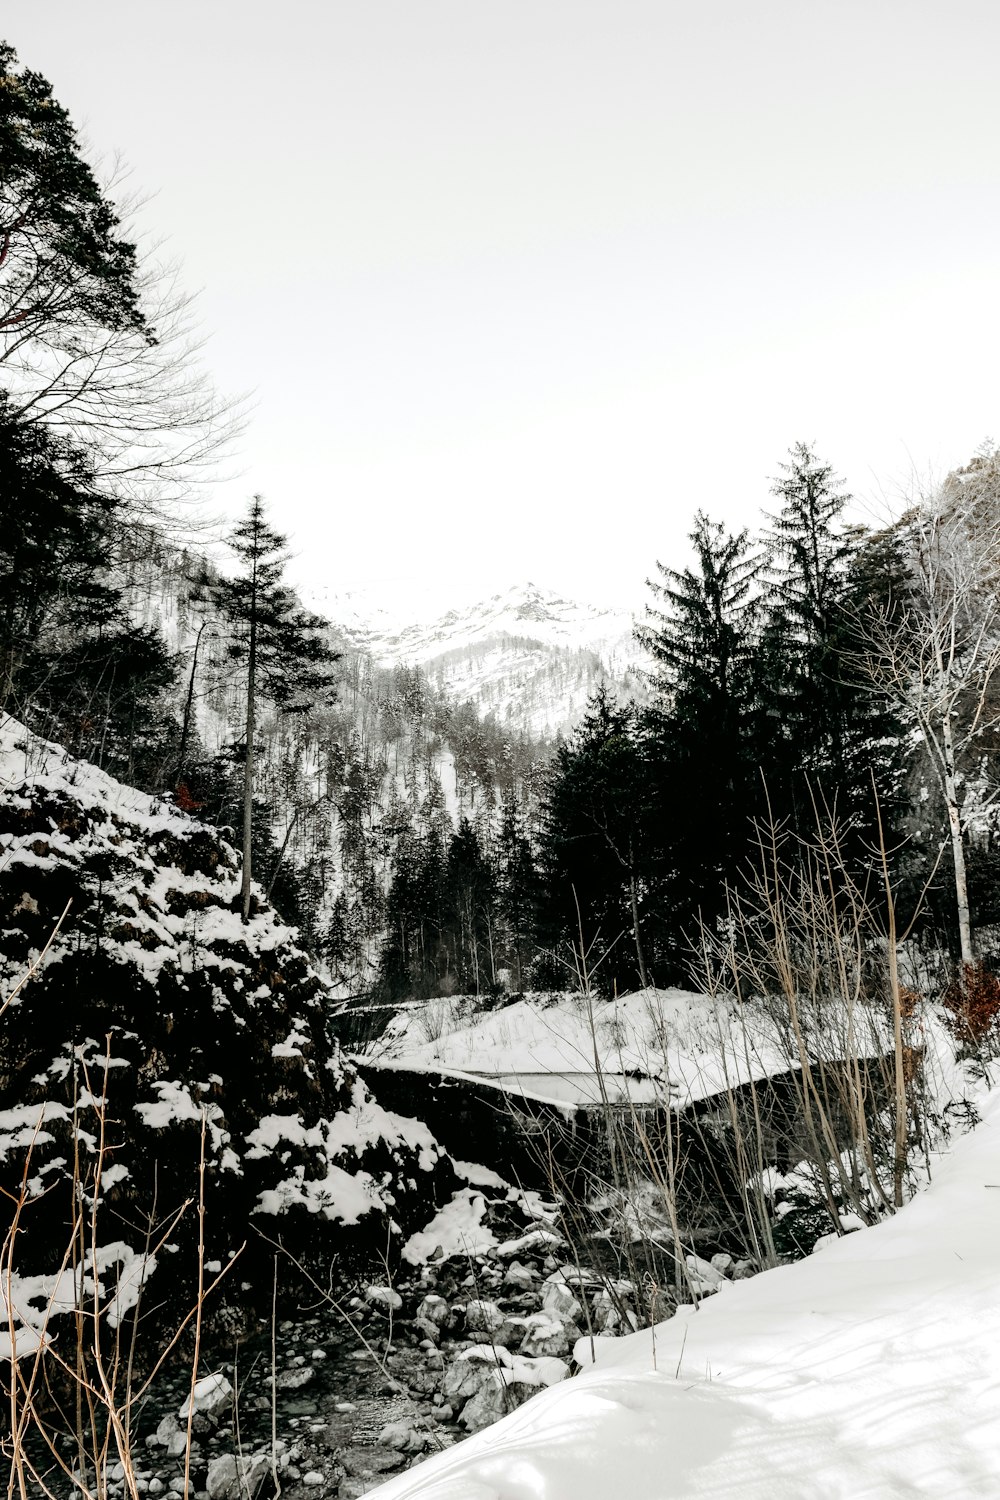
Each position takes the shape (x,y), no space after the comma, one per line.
(706,735)
(278,647)
(595,845)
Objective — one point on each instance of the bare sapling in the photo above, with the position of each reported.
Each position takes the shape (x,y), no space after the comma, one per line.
(54,1448)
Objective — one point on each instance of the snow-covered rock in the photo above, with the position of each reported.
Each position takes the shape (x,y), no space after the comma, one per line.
(559,1299)
(545,1335)
(212,1397)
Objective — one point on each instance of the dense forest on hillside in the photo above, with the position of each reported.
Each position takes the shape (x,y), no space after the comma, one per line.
(818,681)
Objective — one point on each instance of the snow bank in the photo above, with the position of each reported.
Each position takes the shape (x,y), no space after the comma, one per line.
(157,1015)
(651,1045)
(870,1369)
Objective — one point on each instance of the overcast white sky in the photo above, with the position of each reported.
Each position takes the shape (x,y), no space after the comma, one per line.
(518,286)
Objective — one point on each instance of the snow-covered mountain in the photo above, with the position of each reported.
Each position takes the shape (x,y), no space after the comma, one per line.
(528,656)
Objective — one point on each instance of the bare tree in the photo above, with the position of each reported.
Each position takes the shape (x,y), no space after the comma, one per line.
(136,396)
(936,651)
(97,339)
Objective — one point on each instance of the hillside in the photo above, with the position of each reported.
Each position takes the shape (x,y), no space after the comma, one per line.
(342,788)
(149,1008)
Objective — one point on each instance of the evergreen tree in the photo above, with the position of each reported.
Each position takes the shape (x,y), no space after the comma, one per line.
(470,902)
(72,662)
(64,264)
(517,887)
(811,553)
(836,731)
(703,638)
(594,844)
(55,554)
(278,647)
(707,737)
(811,548)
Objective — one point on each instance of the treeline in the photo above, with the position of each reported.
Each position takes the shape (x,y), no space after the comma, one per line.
(820,692)
(818,679)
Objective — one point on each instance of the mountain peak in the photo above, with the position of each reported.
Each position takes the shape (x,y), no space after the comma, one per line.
(527,654)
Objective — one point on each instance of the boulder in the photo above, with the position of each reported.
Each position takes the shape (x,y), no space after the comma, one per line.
(236,1478)
(559,1299)
(405,1437)
(545,1335)
(433,1309)
(703,1276)
(384,1298)
(212,1396)
(606,1315)
(473,1368)
(505,1388)
(482,1316)
(519,1278)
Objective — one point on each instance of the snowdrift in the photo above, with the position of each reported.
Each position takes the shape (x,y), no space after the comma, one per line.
(672,1046)
(870,1369)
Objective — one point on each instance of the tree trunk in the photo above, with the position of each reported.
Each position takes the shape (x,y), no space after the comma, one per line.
(248,773)
(188,708)
(633,894)
(281,854)
(957,844)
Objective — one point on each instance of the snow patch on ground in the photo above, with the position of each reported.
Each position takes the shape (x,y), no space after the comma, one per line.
(457,1229)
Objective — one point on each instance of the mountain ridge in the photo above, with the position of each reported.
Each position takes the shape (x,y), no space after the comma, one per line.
(527,655)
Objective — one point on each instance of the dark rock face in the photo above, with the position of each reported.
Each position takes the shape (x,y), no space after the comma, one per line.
(155,1017)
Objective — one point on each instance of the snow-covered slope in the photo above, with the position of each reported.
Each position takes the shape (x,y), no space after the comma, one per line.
(527,655)
(152,1006)
(870,1369)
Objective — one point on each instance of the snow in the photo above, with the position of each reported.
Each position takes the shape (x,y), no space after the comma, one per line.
(458,1229)
(23,1125)
(339,1194)
(527,655)
(652,1045)
(29,1303)
(871,1369)
(478,1176)
(127,821)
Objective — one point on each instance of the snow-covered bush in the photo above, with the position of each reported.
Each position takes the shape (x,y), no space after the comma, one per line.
(157,1014)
